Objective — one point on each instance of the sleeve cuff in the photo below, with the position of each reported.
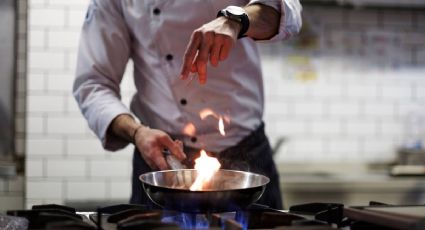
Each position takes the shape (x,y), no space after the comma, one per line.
(102,123)
(290,21)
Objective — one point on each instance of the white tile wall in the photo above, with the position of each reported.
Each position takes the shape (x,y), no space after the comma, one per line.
(353,110)
(65,161)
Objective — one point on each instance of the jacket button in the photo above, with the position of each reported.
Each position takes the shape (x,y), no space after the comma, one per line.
(169,57)
(183,101)
(193,139)
(156,11)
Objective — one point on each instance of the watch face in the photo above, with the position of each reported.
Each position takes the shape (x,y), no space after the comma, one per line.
(235,10)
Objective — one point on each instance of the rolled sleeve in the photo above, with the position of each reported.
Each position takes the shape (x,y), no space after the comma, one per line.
(102,57)
(290,21)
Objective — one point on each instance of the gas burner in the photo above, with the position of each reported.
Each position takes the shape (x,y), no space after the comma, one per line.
(53,216)
(311,216)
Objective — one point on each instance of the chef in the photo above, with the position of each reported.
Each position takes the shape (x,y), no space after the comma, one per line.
(188,57)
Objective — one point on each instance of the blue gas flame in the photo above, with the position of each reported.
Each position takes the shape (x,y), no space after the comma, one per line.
(188,220)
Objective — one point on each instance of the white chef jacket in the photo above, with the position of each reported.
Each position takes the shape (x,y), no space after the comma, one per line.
(154,34)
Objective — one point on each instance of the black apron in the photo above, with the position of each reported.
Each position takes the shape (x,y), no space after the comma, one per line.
(252,154)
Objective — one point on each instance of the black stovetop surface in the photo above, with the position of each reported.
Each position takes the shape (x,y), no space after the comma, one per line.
(311,216)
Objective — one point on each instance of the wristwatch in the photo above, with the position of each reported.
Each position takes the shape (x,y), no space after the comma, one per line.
(238,14)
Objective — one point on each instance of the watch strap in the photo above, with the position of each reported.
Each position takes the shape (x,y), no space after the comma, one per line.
(243,19)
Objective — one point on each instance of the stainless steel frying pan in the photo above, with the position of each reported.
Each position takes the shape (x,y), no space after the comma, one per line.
(229,190)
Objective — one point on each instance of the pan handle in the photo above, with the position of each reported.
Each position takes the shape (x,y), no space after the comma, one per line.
(172,161)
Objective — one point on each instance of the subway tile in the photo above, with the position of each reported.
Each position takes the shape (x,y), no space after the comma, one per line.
(344,147)
(34,167)
(37,38)
(120,189)
(420,56)
(35,124)
(326,127)
(60,82)
(329,16)
(46,103)
(364,128)
(85,190)
(289,88)
(360,91)
(324,90)
(413,38)
(379,149)
(420,91)
(45,146)
(63,39)
(309,108)
(420,19)
(408,109)
(43,60)
(72,106)
(274,107)
(291,127)
(344,108)
(403,19)
(378,108)
(72,61)
(43,17)
(125,154)
(77,3)
(363,17)
(310,146)
(76,17)
(391,128)
(84,147)
(43,189)
(65,168)
(109,168)
(396,91)
(36,82)
(37,3)
(66,125)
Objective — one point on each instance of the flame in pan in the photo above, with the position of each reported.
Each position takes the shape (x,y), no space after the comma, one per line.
(206,167)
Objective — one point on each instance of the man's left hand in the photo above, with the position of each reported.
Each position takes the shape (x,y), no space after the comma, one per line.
(212,41)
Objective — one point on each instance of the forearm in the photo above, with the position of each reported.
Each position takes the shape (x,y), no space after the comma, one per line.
(124,126)
(264,21)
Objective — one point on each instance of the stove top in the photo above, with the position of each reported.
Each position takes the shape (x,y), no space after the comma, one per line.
(311,216)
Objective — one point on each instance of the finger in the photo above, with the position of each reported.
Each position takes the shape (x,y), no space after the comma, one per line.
(225,49)
(173,147)
(179,144)
(202,58)
(215,52)
(149,162)
(160,161)
(193,69)
(189,55)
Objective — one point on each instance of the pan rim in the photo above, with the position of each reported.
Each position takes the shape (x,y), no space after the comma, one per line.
(144,182)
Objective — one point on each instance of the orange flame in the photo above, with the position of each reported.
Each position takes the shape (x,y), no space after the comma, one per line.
(189,129)
(207,112)
(221,119)
(206,167)
(221,127)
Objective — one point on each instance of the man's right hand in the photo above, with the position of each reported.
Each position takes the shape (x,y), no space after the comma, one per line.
(151,142)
